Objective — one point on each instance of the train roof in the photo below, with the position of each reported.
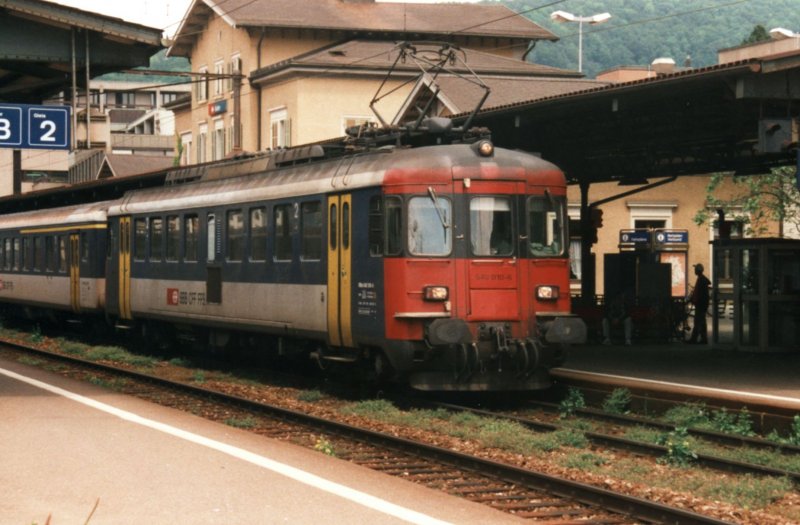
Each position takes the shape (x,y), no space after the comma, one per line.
(95,212)
(385,165)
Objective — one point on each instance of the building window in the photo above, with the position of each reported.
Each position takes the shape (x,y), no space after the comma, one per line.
(311,231)
(201,88)
(202,139)
(125,99)
(235,237)
(234,68)
(258,234)
(186,154)
(219,81)
(191,239)
(280,129)
(218,141)
(166,98)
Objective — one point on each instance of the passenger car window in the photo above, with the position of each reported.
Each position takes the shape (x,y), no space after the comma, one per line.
(311,230)
(191,238)
(173,237)
(235,236)
(140,239)
(258,234)
(156,238)
(283,232)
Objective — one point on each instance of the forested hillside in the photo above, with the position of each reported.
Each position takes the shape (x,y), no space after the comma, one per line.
(643,30)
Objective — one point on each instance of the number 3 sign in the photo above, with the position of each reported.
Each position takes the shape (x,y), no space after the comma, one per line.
(23,126)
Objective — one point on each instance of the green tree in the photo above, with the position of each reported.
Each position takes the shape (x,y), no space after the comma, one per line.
(756,200)
(758,34)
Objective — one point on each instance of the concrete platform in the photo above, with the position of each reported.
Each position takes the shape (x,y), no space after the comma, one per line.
(775,374)
(65,446)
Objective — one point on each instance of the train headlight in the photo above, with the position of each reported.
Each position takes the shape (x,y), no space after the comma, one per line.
(485,148)
(547,293)
(435,293)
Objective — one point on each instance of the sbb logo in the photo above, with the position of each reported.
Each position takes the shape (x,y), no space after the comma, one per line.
(173,297)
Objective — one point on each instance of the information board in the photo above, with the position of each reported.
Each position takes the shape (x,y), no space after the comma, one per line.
(25,126)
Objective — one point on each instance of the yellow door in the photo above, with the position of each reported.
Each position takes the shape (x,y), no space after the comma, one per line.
(75,272)
(339,271)
(125,268)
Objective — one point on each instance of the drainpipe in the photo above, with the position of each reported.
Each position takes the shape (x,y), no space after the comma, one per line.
(258,101)
(88,97)
(74,89)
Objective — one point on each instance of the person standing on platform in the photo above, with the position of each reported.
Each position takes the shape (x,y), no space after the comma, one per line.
(700,299)
(617,314)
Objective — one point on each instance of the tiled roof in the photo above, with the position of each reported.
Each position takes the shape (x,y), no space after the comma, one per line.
(365,18)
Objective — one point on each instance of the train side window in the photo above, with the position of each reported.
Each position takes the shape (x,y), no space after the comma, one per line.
(2,253)
(211,237)
(173,237)
(156,238)
(394,225)
(140,239)
(25,255)
(40,256)
(333,226)
(346,226)
(282,224)
(50,253)
(62,254)
(235,236)
(375,227)
(311,231)
(258,234)
(191,239)
(84,246)
(8,254)
(17,253)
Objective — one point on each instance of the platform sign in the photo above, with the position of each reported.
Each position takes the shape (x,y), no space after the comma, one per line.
(24,126)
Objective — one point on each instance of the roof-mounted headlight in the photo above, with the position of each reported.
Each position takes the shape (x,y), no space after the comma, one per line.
(484,148)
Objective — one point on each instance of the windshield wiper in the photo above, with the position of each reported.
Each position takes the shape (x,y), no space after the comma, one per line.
(439,212)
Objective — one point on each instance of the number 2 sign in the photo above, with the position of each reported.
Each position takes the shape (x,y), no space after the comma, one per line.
(23,126)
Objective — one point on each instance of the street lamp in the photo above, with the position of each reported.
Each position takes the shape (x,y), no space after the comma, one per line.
(563,16)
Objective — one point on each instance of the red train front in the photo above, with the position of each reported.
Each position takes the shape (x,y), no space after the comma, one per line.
(474,266)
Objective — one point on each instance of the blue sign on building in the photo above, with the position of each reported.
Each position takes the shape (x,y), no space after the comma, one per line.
(24,126)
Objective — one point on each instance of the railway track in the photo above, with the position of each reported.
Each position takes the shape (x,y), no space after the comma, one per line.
(525,493)
(615,442)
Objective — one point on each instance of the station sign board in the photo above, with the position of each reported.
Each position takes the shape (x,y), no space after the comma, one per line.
(26,126)
(631,238)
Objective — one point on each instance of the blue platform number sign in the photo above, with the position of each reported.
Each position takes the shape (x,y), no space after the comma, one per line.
(23,126)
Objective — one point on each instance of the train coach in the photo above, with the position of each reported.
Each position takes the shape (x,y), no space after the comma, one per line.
(444,267)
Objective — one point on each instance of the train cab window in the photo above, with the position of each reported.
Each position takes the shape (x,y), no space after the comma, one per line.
(311,231)
(156,238)
(173,237)
(191,238)
(17,259)
(234,250)
(62,254)
(546,225)
(258,234)
(429,231)
(140,239)
(490,230)
(282,216)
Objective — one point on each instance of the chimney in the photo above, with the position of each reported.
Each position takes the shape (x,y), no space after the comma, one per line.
(663,66)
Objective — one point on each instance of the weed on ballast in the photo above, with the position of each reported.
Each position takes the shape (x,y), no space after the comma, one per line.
(679,448)
(571,403)
(618,402)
